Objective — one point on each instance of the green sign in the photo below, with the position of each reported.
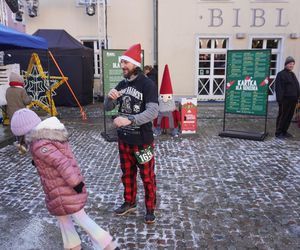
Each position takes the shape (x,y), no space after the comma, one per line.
(247,81)
(112,72)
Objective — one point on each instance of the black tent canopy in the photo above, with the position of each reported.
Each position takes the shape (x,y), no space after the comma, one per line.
(74,59)
(59,39)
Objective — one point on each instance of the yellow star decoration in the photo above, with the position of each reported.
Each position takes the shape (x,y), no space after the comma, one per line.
(37,80)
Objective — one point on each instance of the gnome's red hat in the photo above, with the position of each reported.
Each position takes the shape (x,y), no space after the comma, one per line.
(133,55)
(166,85)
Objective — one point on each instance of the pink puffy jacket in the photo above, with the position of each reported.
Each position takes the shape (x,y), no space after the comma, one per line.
(57,167)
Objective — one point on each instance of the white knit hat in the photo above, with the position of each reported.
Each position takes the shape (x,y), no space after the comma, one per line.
(23,121)
(15,77)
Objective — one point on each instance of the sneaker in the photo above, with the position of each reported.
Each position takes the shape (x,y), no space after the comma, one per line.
(125,208)
(157,132)
(288,135)
(175,132)
(150,217)
(280,136)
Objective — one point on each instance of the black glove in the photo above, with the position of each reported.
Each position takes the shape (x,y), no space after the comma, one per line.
(79,187)
(32,162)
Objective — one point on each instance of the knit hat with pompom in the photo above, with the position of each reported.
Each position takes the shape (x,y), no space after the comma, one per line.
(288,60)
(16,80)
(23,121)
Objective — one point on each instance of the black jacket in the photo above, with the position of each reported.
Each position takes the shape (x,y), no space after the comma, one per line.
(286,85)
(153,76)
(135,95)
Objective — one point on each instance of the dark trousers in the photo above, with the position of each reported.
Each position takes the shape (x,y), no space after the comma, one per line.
(130,166)
(286,110)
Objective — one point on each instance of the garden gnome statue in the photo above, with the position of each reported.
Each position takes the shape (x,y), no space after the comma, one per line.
(168,116)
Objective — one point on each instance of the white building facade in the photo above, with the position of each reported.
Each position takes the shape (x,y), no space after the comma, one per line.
(7,18)
(191,36)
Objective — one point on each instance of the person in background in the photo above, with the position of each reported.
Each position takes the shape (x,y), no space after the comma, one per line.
(287,94)
(60,176)
(137,98)
(151,73)
(17,98)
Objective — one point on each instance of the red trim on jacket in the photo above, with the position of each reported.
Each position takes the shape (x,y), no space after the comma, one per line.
(14,84)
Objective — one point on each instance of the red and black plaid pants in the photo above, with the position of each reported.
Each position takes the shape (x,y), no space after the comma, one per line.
(129,166)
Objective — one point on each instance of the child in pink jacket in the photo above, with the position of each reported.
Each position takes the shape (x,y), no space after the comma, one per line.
(60,177)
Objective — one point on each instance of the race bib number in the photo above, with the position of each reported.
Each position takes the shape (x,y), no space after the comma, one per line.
(144,155)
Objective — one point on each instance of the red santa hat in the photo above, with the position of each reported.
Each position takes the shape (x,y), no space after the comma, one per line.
(133,55)
(166,85)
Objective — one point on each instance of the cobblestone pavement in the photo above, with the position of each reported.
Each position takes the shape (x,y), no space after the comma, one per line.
(213,192)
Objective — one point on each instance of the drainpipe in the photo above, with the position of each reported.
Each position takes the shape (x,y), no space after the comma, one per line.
(105,11)
(155,33)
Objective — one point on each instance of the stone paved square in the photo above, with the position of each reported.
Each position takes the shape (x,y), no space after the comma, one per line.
(213,192)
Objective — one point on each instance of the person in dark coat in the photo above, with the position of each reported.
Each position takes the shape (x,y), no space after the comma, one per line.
(151,73)
(287,93)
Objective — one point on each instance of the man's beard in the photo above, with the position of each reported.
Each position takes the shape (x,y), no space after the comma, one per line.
(129,73)
(168,106)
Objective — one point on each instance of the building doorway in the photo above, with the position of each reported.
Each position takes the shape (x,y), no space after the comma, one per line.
(94,45)
(211,66)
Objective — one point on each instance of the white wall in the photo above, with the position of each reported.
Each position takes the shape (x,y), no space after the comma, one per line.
(180,23)
(129,22)
(57,14)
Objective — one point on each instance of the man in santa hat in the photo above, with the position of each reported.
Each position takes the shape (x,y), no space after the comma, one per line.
(137,97)
(168,116)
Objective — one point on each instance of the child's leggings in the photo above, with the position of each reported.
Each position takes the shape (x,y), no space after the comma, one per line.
(99,237)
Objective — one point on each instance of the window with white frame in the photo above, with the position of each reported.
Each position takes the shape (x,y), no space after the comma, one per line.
(3,13)
(274,44)
(94,45)
(211,68)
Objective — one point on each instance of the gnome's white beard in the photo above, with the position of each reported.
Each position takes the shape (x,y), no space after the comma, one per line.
(168,106)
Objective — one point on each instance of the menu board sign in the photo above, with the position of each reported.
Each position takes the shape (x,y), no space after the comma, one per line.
(188,115)
(247,81)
